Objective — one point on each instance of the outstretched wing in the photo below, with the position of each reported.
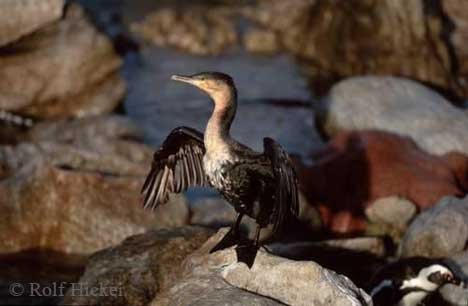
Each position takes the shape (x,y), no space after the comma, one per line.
(177,165)
(286,197)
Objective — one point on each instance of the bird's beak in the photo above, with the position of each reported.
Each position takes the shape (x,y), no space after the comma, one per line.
(451,279)
(182,78)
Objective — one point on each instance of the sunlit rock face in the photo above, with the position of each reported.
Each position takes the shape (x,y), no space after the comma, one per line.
(66,68)
(20,18)
(74,188)
(395,105)
(271,277)
(358,168)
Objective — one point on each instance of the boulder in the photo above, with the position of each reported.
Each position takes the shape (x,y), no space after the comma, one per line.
(356,258)
(79,193)
(441,231)
(137,269)
(457,14)
(398,38)
(20,18)
(65,69)
(395,105)
(357,168)
(196,30)
(391,215)
(286,281)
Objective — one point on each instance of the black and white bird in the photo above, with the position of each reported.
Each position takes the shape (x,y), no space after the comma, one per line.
(262,186)
(408,282)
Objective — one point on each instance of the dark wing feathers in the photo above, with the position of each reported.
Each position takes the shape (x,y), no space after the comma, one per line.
(177,165)
(286,197)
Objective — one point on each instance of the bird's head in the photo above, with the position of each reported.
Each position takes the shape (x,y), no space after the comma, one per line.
(432,277)
(439,275)
(218,85)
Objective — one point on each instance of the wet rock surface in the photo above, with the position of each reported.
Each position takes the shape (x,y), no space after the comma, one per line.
(79,192)
(357,168)
(85,83)
(139,268)
(395,105)
(441,231)
(20,18)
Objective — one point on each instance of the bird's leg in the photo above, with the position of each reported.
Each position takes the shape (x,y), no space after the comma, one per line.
(236,227)
(231,238)
(257,236)
(246,253)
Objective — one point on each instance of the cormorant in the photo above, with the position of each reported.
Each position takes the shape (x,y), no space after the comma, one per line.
(262,186)
(408,282)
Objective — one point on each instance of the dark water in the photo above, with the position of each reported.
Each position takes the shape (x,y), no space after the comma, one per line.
(270,88)
(37,277)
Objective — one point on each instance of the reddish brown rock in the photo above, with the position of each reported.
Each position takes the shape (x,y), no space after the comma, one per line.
(357,168)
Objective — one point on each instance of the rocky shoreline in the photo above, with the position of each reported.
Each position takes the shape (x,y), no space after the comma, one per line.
(382,160)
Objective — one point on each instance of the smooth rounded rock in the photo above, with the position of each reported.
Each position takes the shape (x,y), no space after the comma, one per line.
(395,105)
(441,231)
(65,69)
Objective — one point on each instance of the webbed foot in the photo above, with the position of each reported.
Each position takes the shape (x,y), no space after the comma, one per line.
(247,253)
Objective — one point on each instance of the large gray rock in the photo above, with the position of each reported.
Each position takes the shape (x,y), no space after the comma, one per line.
(441,231)
(286,281)
(396,105)
(394,211)
(22,17)
(391,215)
(66,69)
(139,268)
(80,192)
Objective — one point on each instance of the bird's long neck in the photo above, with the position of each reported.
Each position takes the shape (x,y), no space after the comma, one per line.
(217,130)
